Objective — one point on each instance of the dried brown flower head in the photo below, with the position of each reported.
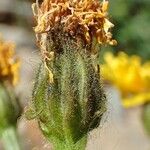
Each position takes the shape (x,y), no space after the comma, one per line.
(85,18)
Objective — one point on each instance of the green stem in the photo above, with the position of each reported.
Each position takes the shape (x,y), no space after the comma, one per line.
(80,145)
(10,139)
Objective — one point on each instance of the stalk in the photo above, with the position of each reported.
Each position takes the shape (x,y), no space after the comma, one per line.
(146,118)
(80,145)
(10,110)
(10,139)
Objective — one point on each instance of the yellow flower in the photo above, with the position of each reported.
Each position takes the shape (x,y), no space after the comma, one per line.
(9,65)
(129,76)
(136,100)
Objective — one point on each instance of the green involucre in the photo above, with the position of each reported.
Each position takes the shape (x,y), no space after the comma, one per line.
(74,103)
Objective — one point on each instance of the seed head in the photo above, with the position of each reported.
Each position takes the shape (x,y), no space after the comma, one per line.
(87,19)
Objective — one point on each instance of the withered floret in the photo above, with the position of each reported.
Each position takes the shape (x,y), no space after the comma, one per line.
(85,18)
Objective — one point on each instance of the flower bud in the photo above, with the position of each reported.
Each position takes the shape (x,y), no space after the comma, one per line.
(68,99)
(74,103)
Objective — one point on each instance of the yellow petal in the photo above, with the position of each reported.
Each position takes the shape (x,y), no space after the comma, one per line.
(136,100)
(107,25)
(105,6)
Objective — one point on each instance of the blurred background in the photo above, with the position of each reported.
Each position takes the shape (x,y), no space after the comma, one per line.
(121,128)
(132,19)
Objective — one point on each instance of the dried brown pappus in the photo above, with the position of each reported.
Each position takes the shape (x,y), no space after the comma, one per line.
(87,18)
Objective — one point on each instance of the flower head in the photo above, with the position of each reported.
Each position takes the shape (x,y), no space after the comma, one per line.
(68,98)
(84,18)
(9,65)
(84,21)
